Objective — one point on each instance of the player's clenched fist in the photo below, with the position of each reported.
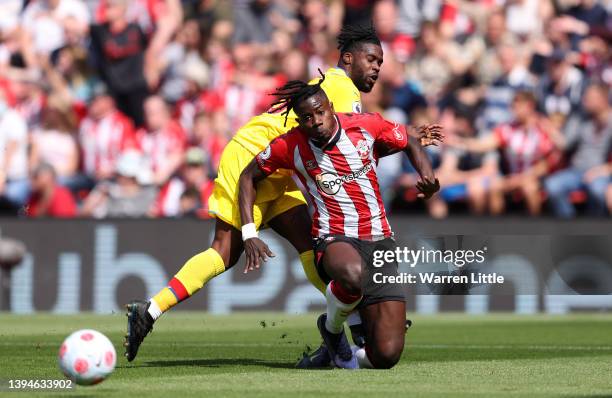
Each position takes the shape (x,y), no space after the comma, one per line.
(256,252)
(427,187)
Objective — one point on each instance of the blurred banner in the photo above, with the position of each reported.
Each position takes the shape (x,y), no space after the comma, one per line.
(470,265)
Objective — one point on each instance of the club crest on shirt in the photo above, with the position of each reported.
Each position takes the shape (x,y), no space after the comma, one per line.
(363,149)
(311,164)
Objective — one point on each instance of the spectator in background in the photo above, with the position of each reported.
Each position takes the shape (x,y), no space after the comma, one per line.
(314,40)
(128,195)
(197,96)
(176,197)
(385,19)
(70,77)
(527,152)
(293,64)
(104,134)
(562,87)
(163,142)
(414,13)
(55,144)
(145,13)
(498,97)
(609,196)
(190,204)
(428,67)
(401,95)
(10,38)
(26,86)
(247,94)
(119,49)
(463,175)
(14,184)
(208,135)
(253,21)
(48,25)
(496,35)
(587,142)
(184,50)
(525,18)
(48,198)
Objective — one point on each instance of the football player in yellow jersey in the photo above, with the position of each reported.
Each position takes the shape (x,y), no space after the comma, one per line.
(279,203)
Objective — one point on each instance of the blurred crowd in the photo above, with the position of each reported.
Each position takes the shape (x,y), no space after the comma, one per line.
(117,108)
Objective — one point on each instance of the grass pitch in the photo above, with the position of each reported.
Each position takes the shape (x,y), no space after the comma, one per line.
(253,354)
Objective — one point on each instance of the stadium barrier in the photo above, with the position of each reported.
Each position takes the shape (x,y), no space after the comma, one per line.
(547,266)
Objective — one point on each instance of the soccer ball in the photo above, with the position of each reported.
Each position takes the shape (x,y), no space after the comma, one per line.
(87,357)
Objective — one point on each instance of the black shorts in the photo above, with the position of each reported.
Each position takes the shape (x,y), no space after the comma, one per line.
(372,292)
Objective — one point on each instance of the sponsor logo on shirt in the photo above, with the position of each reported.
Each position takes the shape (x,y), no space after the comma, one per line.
(398,135)
(330,183)
(357,107)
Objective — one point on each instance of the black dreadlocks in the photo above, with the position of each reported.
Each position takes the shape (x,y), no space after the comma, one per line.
(289,95)
(351,35)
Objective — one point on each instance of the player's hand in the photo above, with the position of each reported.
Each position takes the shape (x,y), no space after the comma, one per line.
(430,134)
(257,252)
(427,187)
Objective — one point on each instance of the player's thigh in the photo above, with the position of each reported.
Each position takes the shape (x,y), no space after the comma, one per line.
(294,225)
(343,263)
(385,324)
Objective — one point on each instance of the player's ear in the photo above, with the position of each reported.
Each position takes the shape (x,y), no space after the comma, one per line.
(347,58)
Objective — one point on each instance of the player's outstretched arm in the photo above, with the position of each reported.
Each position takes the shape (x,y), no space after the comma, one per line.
(428,185)
(428,134)
(255,249)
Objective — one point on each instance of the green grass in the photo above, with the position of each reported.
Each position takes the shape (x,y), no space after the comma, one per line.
(195,354)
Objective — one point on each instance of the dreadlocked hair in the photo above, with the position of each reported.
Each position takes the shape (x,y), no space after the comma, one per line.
(350,35)
(294,91)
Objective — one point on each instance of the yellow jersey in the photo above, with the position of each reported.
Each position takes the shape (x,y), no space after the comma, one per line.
(261,129)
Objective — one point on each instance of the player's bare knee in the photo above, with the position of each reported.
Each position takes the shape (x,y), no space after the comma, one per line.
(351,278)
(387,354)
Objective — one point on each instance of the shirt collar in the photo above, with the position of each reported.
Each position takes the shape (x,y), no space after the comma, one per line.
(334,139)
(337,70)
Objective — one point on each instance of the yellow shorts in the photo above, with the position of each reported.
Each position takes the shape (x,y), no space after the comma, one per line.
(275,194)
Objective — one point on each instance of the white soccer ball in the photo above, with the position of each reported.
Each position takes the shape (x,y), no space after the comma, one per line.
(87,357)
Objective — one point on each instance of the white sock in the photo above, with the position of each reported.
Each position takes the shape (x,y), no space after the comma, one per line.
(362,358)
(154,310)
(337,311)
(354,319)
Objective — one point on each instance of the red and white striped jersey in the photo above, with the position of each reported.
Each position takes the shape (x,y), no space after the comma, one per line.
(522,147)
(160,144)
(341,179)
(103,141)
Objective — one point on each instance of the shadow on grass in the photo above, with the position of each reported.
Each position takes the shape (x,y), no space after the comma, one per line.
(215,363)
